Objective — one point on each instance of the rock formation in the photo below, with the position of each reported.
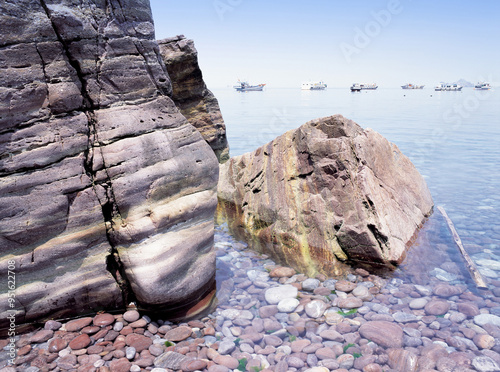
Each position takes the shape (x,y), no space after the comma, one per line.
(191,95)
(325,194)
(107,193)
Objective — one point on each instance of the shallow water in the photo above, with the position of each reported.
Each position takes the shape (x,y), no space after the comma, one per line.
(452,138)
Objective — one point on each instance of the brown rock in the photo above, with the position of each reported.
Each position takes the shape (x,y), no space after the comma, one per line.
(102,320)
(80,342)
(484,341)
(90,330)
(437,307)
(345,286)
(350,303)
(468,308)
(178,334)
(293,192)
(282,272)
(120,365)
(131,316)
(447,290)
(57,344)
(41,336)
(382,333)
(139,323)
(402,360)
(298,345)
(372,367)
(77,324)
(194,365)
(325,353)
(140,342)
(226,361)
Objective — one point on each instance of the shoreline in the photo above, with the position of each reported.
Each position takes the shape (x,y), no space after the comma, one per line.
(433,325)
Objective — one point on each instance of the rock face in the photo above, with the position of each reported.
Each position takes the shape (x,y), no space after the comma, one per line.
(107,193)
(324,194)
(191,95)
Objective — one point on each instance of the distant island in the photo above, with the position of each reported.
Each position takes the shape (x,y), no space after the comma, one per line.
(464,83)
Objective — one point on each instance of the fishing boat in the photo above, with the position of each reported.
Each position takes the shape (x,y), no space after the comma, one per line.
(243,86)
(448,87)
(482,86)
(412,86)
(319,85)
(356,87)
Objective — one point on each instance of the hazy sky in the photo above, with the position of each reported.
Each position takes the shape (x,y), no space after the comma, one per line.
(283,43)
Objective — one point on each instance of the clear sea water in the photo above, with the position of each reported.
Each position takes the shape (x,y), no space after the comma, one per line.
(453,138)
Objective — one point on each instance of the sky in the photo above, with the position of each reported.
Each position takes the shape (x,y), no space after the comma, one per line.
(284,43)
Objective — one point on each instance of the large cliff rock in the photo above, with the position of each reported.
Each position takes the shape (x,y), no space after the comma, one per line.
(191,95)
(325,194)
(107,193)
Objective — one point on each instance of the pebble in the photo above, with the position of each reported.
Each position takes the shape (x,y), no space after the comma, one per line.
(283,321)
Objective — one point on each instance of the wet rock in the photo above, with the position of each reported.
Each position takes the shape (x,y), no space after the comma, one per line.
(102,320)
(483,341)
(483,319)
(437,307)
(120,365)
(417,303)
(485,364)
(178,334)
(383,333)
(131,316)
(315,309)
(282,272)
(139,342)
(469,309)
(402,360)
(310,284)
(288,305)
(276,294)
(345,286)
(80,342)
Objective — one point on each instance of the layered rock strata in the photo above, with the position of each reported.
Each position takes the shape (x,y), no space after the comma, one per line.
(325,194)
(107,193)
(191,95)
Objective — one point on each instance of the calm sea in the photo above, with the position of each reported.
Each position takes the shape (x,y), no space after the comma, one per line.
(453,138)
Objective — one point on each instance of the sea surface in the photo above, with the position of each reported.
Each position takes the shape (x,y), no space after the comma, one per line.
(453,138)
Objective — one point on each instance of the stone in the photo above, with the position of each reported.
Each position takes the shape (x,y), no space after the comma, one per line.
(102,320)
(282,272)
(41,336)
(403,317)
(483,319)
(80,342)
(178,334)
(418,303)
(52,325)
(275,294)
(315,309)
(345,361)
(170,360)
(293,192)
(325,353)
(190,94)
(288,305)
(131,316)
(130,352)
(310,284)
(100,165)
(77,324)
(226,347)
(345,286)
(350,303)
(120,365)
(483,341)
(362,293)
(402,360)
(227,361)
(382,333)
(57,344)
(332,335)
(447,290)
(139,342)
(485,364)
(437,307)
(469,309)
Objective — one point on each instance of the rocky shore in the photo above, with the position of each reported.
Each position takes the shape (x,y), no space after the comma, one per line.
(271,318)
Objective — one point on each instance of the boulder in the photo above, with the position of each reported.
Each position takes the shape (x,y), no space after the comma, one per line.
(107,192)
(190,94)
(325,194)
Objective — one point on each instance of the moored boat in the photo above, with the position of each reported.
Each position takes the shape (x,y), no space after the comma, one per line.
(448,87)
(312,85)
(243,86)
(482,86)
(412,86)
(356,87)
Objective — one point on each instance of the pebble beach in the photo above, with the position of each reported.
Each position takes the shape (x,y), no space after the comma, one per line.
(270,318)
